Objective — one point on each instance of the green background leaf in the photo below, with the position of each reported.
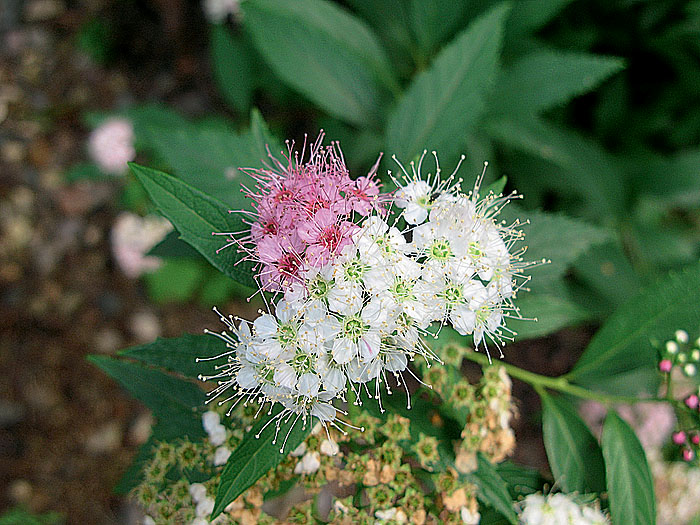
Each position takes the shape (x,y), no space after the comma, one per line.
(629,481)
(492,489)
(446,100)
(231,66)
(574,454)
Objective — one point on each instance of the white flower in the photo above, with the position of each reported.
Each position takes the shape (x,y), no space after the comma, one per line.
(299,451)
(199,521)
(558,509)
(309,464)
(111,145)
(216,11)
(133,237)
(148,520)
(217,436)
(415,198)
(377,242)
(221,456)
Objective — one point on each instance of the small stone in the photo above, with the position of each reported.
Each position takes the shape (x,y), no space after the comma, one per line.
(105,439)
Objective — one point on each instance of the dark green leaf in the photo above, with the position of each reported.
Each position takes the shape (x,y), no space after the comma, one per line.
(574,454)
(172,246)
(197,216)
(179,354)
(530,15)
(446,100)
(551,311)
(435,21)
(623,343)
(86,171)
(629,481)
(492,489)
(546,79)
(174,402)
(588,171)
(255,456)
(232,68)
(521,480)
(325,53)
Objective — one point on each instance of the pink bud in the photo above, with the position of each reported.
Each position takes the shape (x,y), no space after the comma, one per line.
(692,401)
(679,437)
(695,439)
(688,455)
(665,365)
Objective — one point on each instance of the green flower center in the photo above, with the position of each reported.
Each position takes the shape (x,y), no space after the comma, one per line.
(440,250)
(402,289)
(453,295)
(474,250)
(423,201)
(303,362)
(482,314)
(286,334)
(354,328)
(319,287)
(266,373)
(355,269)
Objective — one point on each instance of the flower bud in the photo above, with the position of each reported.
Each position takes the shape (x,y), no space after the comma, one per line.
(679,437)
(688,455)
(681,336)
(665,365)
(692,401)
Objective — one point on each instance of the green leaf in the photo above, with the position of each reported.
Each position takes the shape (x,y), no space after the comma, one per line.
(574,454)
(629,481)
(445,101)
(623,343)
(553,312)
(521,480)
(556,238)
(587,170)
(208,155)
(172,246)
(197,216)
(176,280)
(325,53)
(434,22)
(179,354)
(530,15)
(174,402)
(545,79)
(232,68)
(492,488)
(255,456)
(86,171)
(675,180)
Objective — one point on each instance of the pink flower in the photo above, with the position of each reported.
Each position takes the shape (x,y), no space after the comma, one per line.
(364,195)
(695,439)
(679,437)
(665,365)
(133,237)
(688,455)
(692,401)
(326,236)
(111,145)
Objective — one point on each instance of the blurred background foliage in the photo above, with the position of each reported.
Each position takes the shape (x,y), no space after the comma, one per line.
(590,108)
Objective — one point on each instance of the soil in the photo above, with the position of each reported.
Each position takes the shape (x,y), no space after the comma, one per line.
(67,431)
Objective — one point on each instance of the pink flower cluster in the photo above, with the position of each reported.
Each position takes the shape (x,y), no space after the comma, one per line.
(305,211)
(111,145)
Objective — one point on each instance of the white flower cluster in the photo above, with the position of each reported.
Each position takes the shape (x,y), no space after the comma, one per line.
(217,436)
(360,318)
(559,509)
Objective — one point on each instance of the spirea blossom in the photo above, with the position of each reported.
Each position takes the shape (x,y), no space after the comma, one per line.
(360,289)
(305,212)
(111,145)
(133,237)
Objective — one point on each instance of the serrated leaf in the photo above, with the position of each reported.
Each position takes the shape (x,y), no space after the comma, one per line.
(546,79)
(574,454)
(179,354)
(254,457)
(556,238)
(196,216)
(324,52)
(492,488)
(174,402)
(629,482)
(232,68)
(623,343)
(587,171)
(445,101)
(552,313)
(208,155)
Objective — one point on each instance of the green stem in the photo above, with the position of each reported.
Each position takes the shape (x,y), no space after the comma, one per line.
(561,384)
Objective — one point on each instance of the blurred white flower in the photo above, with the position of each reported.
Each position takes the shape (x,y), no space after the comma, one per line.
(309,464)
(111,145)
(559,509)
(221,456)
(216,11)
(133,237)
